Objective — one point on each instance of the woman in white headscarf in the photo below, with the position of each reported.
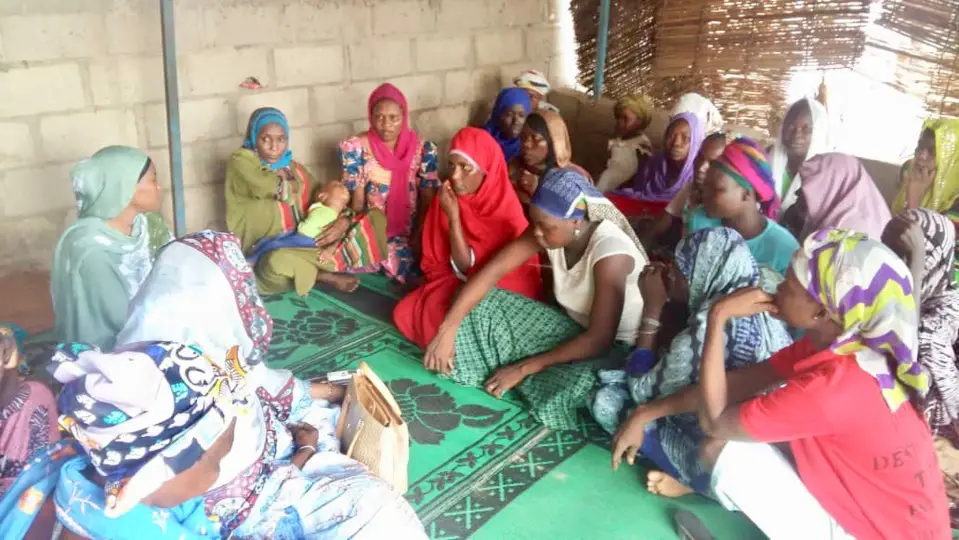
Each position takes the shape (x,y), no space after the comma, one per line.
(704,109)
(804,135)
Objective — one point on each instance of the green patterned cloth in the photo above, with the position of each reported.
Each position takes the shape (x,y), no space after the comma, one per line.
(505,328)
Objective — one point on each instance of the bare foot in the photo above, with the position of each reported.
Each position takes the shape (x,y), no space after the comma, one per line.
(343,282)
(660,483)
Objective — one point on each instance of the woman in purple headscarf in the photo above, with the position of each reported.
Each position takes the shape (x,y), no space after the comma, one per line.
(661,177)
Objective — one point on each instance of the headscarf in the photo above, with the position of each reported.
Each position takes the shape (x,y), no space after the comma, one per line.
(567,194)
(839,193)
(507,99)
(704,109)
(92,311)
(868,291)
(938,315)
(533,80)
(715,263)
(945,188)
(745,162)
(259,120)
(640,105)
(818,144)
(491,218)
(398,161)
(651,182)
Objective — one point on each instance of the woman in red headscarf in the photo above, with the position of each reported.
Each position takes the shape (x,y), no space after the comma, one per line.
(474,216)
(392,170)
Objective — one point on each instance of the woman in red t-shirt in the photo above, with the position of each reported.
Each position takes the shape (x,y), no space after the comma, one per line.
(864,456)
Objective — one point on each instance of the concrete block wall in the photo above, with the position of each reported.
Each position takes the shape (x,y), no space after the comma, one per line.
(76,75)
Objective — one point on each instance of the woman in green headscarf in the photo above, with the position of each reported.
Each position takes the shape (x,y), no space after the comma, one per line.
(102,259)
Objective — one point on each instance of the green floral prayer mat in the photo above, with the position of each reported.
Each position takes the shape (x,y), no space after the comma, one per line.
(481,467)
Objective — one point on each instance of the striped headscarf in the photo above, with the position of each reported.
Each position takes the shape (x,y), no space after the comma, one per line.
(567,194)
(745,162)
(533,80)
(259,120)
(868,290)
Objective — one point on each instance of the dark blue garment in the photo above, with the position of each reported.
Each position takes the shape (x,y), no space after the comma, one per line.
(507,98)
(290,239)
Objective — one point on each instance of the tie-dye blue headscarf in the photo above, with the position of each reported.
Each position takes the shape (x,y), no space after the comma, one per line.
(260,119)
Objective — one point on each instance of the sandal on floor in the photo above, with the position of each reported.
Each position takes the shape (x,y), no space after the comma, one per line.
(690,527)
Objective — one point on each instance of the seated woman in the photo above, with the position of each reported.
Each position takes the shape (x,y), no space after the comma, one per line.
(101,259)
(864,460)
(931,178)
(739,191)
(662,177)
(703,108)
(804,135)
(474,216)
(631,145)
(545,146)
(837,192)
(392,169)
(925,240)
(28,422)
(268,194)
(211,443)
(501,340)
(537,87)
(506,121)
(663,426)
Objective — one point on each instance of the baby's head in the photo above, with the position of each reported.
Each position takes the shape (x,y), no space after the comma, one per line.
(334,195)
(9,354)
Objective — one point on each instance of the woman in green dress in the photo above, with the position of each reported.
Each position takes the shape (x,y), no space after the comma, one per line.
(101,260)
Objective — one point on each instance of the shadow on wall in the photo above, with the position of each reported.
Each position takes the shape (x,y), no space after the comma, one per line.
(591,125)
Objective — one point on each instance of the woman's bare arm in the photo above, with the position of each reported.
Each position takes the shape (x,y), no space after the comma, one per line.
(717,416)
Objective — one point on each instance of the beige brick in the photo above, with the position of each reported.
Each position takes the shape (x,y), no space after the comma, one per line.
(295,104)
(543,43)
(231,26)
(380,59)
(516,13)
(16,145)
(458,87)
(126,80)
(205,208)
(318,145)
(204,162)
(328,21)
(486,84)
(222,70)
(135,28)
(441,124)
(348,102)
(421,91)
(443,53)
(324,100)
(359,126)
(455,16)
(50,189)
(494,48)
(403,17)
(75,136)
(199,119)
(28,241)
(302,66)
(34,90)
(52,37)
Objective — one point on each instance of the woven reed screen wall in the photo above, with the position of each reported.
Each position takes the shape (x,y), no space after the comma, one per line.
(740,53)
(928,62)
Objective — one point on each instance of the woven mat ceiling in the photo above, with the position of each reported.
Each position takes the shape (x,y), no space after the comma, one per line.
(924,37)
(740,53)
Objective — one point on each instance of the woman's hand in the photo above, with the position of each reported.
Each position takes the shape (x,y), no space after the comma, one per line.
(919,179)
(745,303)
(333,232)
(304,434)
(528,182)
(440,351)
(652,286)
(506,378)
(629,438)
(448,201)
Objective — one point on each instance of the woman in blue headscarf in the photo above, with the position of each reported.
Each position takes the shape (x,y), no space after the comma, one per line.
(506,121)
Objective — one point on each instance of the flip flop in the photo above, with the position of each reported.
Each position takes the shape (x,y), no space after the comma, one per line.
(690,527)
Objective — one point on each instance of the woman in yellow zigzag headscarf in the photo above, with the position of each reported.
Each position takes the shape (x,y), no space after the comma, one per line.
(931,178)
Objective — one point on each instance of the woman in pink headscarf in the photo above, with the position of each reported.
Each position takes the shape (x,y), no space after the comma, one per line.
(391,169)
(837,192)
